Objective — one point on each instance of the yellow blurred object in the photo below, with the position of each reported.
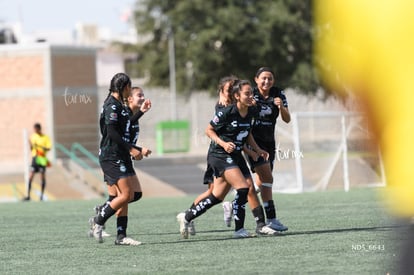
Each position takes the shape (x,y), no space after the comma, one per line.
(366,48)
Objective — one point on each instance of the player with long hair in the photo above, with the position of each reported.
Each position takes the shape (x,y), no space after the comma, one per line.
(229,131)
(136,106)
(115,155)
(271,102)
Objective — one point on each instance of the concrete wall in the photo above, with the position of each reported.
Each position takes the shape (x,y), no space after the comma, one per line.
(52,85)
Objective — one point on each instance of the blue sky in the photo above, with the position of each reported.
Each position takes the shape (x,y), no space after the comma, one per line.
(64,14)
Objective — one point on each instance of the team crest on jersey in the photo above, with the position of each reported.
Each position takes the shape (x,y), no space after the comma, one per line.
(113,116)
(229,160)
(113,107)
(215,119)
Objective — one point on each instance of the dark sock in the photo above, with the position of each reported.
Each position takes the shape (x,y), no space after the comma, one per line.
(270,210)
(29,188)
(43,189)
(239,207)
(104,214)
(108,201)
(121,226)
(201,207)
(259,217)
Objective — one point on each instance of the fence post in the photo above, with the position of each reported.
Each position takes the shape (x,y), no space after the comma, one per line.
(345,154)
(26,152)
(296,142)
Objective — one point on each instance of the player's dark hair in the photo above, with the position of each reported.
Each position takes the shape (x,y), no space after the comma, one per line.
(264,69)
(237,86)
(224,80)
(118,83)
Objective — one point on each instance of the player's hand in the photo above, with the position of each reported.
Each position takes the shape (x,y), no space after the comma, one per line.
(135,154)
(263,154)
(229,147)
(146,152)
(146,106)
(277,101)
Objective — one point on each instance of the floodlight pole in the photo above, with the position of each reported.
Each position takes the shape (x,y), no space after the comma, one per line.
(171,61)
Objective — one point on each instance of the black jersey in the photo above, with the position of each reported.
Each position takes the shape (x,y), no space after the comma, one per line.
(113,113)
(133,130)
(231,127)
(264,128)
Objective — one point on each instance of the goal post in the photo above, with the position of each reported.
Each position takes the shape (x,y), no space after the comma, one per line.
(330,150)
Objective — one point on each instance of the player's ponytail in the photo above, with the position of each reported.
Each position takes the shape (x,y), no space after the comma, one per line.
(118,83)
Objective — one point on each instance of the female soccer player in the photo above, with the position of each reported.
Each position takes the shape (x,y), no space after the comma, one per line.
(137,105)
(229,131)
(115,156)
(271,102)
(225,99)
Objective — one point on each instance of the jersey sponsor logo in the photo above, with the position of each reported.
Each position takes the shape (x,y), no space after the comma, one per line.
(229,160)
(242,135)
(122,168)
(234,123)
(264,123)
(265,110)
(113,107)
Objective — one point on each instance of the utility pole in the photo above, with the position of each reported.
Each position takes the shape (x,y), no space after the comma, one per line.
(171,61)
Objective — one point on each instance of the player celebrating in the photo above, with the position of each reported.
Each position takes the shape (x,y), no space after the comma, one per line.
(271,102)
(115,157)
(229,131)
(137,105)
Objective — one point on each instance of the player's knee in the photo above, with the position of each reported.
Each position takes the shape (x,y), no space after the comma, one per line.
(137,196)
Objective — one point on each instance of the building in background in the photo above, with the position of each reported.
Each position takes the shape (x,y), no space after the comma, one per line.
(50,84)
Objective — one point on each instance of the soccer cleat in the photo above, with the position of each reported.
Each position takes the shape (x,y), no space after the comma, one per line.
(98,209)
(276,225)
(228,209)
(92,225)
(97,233)
(183,225)
(242,233)
(104,233)
(127,241)
(191,228)
(266,230)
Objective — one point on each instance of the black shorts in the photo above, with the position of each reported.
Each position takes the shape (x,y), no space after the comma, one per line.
(116,169)
(221,164)
(260,161)
(208,175)
(36,168)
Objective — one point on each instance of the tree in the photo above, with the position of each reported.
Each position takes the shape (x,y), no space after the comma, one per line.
(220,37)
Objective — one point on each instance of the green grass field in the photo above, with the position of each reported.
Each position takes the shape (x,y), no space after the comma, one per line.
(329,233)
